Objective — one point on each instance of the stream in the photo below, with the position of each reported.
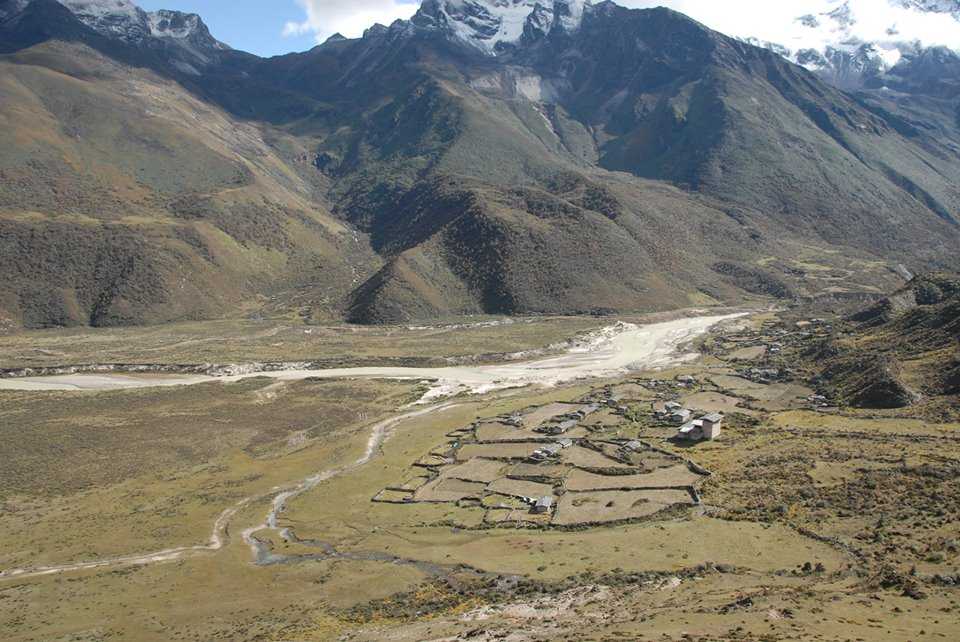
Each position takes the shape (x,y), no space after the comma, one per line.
(613,351)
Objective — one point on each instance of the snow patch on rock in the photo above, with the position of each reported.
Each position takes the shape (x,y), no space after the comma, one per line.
(13,7)
(123,20)
(832,43)
(490,25)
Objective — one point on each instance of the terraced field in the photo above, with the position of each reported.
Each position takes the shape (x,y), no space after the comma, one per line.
(809,522)
(584,480)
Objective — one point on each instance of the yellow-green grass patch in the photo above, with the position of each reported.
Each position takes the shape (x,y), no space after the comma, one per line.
(678,475)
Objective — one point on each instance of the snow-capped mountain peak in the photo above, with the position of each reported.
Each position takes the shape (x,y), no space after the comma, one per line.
(181,39)
(489,25)
(847,46)
(102,9)
(126,21)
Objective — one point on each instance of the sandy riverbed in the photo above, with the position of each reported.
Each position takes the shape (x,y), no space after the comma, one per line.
(612,351)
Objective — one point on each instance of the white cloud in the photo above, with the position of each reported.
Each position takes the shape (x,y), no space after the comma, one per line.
(347,17)
(296,29)
(772,20)
(776,21)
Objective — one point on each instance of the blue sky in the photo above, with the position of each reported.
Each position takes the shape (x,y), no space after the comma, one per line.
(250,25)
(272,27)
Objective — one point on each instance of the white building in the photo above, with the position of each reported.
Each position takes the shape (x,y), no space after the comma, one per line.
(707,428)
(543,505)
(546,452)
(711,425)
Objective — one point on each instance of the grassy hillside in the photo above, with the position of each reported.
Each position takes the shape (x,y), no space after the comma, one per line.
(902,350)
(643,163)
(124,199)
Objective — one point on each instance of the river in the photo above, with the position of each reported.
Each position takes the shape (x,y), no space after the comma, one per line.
(610,352)
(615,350)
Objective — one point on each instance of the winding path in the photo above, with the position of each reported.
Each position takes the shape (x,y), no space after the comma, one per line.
(618,351)
(378,435)
(220,534)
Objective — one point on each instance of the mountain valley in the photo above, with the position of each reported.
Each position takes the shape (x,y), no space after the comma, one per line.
(515,320)
(425,171)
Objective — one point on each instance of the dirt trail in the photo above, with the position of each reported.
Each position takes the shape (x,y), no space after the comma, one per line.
(613,351)
(220,534)
(378,434)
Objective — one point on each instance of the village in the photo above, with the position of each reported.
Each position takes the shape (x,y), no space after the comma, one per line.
(736,483)
(563,465)
(616,455)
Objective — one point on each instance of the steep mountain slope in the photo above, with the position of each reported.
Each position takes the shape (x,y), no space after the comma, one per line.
(123,199)
(738,123)
(817,164)
(501,157)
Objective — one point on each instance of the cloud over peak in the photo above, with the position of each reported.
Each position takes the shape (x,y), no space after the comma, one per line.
(324,18)
(795,24)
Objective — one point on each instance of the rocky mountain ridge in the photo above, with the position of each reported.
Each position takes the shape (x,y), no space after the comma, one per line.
(494,25)
(934,6)
(630,160)
(182,37)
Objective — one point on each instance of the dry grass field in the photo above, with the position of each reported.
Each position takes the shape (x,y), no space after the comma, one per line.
(243,341)
(815,524)
(676,475)
(142,470)
(599,506)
